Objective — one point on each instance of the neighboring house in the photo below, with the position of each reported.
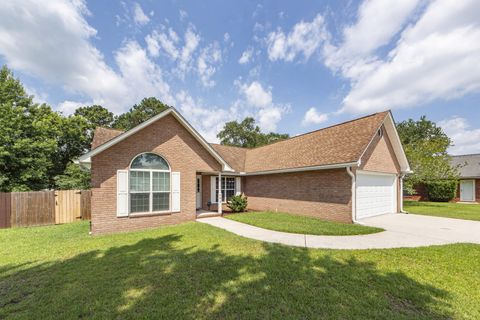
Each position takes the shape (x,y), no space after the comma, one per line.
(163,171)
(469,169)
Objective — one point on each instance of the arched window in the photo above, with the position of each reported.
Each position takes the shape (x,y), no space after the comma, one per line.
(149,184)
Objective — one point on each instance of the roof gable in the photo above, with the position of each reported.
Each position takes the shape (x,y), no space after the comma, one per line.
(85,159)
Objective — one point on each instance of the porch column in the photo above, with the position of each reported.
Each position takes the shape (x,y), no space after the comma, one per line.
(219,203)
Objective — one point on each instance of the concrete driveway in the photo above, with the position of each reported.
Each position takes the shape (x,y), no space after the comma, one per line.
(401,230)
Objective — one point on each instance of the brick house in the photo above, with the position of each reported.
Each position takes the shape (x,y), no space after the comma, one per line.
(469,184)
(164,172)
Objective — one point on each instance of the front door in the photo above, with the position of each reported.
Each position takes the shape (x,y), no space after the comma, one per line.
(467,188)
(199,192)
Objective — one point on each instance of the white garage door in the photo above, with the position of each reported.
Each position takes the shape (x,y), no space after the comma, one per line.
(375,194)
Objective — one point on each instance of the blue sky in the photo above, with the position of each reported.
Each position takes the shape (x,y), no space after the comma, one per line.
(294,66)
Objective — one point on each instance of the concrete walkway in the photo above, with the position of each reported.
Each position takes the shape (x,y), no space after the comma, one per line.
(402,230)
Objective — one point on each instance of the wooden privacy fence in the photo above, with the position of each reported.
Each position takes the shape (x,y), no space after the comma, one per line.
(23,209)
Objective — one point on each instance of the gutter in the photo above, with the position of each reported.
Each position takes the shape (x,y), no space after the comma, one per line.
(300,169)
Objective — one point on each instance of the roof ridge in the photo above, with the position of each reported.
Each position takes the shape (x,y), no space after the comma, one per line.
(321,129)
(464,155)
(224,145)
(111,129)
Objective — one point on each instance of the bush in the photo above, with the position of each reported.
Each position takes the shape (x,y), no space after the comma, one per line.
(238,203)
(441,190)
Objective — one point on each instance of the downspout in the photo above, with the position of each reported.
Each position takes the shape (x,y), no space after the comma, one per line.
(219,202)
(354,195)
(401,193)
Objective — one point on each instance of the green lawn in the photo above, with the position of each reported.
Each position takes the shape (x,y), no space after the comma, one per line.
(444,209)
(300,224)
(196,271)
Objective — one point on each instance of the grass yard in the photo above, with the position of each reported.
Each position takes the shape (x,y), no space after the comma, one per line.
(444,209)
(300,224)
(196,271)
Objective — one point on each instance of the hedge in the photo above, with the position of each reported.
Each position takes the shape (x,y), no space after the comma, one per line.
(441,190)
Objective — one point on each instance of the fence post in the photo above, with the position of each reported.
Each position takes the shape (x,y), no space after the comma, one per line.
(5,210)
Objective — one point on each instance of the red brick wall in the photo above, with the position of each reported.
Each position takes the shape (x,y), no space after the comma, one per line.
(380,156)
(324,194)
(168,138)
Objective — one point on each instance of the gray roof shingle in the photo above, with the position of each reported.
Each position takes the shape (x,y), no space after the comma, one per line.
(469,165)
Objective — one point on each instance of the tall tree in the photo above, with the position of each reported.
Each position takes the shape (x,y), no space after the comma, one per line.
(94,116)
(426,147)
(139,113)
(247,134)
(73,178)
(29,135)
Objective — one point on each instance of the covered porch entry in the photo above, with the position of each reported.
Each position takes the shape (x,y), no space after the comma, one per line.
(211,186)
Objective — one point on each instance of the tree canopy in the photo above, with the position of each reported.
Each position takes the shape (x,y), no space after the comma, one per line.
(426,146)
(139,113)
(247,135)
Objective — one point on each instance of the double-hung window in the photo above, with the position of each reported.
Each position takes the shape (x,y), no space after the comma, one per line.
(149,184)
(228,188)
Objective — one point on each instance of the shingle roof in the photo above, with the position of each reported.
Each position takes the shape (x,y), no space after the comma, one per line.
(102,135)
(469,165)
(235,156)
(341,143)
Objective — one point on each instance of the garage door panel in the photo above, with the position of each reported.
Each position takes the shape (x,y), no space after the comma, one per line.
(375,194)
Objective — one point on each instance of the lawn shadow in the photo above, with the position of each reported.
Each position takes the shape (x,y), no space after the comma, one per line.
(157,278)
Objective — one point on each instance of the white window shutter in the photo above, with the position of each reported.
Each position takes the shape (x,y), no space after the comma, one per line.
(238,186)
(213,190)
(122,193)
(175,191)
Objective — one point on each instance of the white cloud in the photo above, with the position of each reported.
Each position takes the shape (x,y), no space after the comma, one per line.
(246,56)
(269,117)
(207,63)
(226,37)
(192,41)
(185,53)
(67,57)
(435,57)
(68,107)
(38,96)
(139,16)
(166,41)
(256,95)
(361,39)
(305,38)
(183,15)
(208,121)
(258,102)
(312,116)
(466,140)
